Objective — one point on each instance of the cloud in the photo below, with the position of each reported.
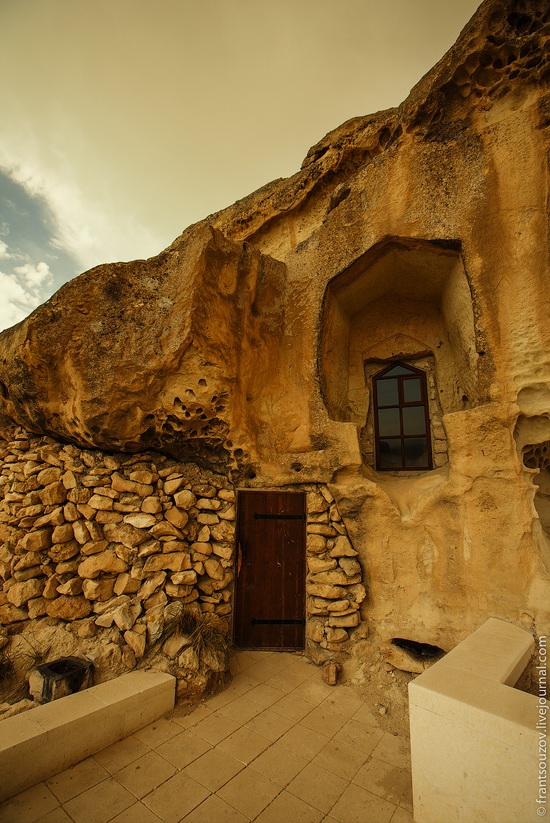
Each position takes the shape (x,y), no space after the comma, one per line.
(23,289)
(34,276)
(90,231)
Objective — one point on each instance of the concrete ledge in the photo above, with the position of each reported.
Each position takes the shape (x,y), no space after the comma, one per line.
(39,743)
(474,740)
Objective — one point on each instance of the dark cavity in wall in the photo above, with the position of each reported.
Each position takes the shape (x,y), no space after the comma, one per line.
(418,651)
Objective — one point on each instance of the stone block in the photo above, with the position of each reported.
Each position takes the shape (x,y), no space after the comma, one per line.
(20,593)
(174,561)
(185,499)
(178,517)
(36,745)
(68,608)
(36,541)
(53,494)
(124,533)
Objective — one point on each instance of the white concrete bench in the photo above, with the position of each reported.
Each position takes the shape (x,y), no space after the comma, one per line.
(43,741)
(474,741)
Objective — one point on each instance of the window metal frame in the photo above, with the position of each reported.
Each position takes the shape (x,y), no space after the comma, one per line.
(423,402)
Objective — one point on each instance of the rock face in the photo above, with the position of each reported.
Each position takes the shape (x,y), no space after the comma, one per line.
(251,346)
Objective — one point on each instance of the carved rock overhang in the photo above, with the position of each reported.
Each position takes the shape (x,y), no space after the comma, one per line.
(106,361)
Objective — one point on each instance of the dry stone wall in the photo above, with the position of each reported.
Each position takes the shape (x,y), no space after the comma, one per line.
(98,552)
(113,545)
(335,589)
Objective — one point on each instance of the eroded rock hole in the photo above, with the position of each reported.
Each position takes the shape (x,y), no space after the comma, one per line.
(519,22)
(418,651)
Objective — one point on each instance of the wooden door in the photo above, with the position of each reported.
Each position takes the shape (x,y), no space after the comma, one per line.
(270,587)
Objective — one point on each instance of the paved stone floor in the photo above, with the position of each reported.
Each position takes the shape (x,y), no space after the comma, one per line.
(277,746)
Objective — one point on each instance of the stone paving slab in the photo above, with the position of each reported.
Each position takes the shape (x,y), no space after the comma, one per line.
(277,746)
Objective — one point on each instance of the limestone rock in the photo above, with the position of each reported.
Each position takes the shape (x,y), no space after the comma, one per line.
(177,517)
(140,521)
(213,568)
(185,499)
(349,620)
(151,505)
(36,607)
(172,485)
(165,529)
(358,592)
(68,608)
(350,566)
(223,532)
(50,587)
(316,565)
(36,541)
(110,605)
(336,635)
(188,659)
(126,615)
(151,585)
(53,493)
(186,577)
(316,543)
(20,593)
(316,503)
(125,584)
(100,502)
(124,533)
(342,548)
(99,589)
(64,551)
(94,547)
(225,551)
(12,614)
(122,484)
(107,561)
(159,598)
(327,591)
(330,673)
(27,574)
(315,630)
(228,514)
(399,659)
(136,642)
(72,586)
(336,577)
(173,646)
(49,475)
(175,561)
(62,533)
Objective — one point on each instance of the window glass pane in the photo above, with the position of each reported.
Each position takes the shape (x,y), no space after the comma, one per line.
(388,422)
(390,454)
(416,452)
(386,392)
(414,420)
(412,391)
(399,370)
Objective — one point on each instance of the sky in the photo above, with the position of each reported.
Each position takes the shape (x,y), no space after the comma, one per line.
(124,121)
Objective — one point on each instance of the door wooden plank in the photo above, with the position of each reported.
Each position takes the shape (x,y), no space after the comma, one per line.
(270,588)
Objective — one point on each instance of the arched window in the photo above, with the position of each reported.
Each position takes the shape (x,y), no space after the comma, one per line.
(401,419)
